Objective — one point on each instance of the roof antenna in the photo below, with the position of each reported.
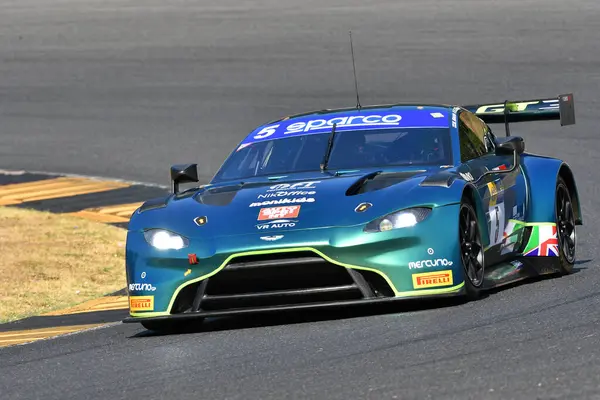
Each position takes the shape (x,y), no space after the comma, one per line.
(354,68)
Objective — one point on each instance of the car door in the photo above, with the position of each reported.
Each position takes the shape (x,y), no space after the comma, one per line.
(503,192)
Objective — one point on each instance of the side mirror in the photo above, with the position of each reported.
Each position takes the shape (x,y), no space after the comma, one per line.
(183,173)
(510,145)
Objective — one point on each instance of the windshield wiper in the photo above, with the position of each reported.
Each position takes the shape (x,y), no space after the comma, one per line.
(329,148)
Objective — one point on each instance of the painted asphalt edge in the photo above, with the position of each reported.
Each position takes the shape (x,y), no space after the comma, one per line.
(104,317)
(71,333)
(52,321)
(94,177)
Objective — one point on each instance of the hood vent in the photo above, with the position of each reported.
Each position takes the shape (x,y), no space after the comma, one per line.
(379,180)
(153,204)
(219,196)
(441,179)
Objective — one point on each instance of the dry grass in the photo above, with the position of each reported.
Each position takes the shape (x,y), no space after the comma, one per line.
(50,261)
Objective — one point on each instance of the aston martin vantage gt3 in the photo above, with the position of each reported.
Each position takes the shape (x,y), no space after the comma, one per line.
(359,205)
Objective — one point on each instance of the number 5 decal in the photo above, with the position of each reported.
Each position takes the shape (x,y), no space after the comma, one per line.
(266,132)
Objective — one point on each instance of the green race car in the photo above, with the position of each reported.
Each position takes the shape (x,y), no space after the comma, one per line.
(350,206)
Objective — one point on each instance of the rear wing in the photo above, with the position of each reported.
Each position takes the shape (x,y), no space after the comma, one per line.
(561,108)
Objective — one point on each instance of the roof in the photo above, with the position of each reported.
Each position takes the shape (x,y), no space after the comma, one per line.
(390,116)
(370,107)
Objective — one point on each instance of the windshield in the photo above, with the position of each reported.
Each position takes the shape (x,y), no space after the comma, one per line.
(351,150)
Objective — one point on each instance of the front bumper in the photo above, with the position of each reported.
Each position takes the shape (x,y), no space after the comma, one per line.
(315,268)
(293,307)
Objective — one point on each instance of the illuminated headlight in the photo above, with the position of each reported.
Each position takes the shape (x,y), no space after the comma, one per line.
(399,219)
(165,240)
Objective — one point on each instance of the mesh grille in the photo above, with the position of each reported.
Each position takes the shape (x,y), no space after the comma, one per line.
(277,280)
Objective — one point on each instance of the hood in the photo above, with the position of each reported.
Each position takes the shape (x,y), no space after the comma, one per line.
(299,202)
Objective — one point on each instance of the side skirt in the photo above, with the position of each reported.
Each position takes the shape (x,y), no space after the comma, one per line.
(537,255)
(519,269)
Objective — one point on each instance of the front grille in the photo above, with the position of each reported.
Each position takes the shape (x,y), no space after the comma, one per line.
(279,279)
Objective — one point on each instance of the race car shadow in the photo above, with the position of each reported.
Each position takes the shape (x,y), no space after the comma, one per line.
(579,262)
(216,324)
(291,317)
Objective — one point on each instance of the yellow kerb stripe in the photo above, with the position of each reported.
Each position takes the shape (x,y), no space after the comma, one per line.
(102,304)
(111,214)
(53,188)
(31,335)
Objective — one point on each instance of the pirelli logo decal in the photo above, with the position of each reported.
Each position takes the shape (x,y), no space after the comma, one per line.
(432,279)
(141,303)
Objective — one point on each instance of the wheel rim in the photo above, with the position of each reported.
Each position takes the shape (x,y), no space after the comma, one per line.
(470,246)
(565,219)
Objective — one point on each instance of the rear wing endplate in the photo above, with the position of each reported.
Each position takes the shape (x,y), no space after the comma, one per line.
(561,108)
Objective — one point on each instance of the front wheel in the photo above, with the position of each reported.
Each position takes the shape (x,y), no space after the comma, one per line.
(565,227)
(471,250)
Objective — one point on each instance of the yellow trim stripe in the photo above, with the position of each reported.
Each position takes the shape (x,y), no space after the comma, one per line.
(31,335)
(411,293)
(111,214)
(17,193)
(107,303)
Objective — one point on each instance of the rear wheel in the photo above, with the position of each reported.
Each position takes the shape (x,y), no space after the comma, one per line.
(471,250)
(565,227)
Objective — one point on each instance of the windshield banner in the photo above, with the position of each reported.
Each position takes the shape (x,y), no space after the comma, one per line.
(353,120)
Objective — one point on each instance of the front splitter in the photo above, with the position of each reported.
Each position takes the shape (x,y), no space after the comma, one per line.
(291,307)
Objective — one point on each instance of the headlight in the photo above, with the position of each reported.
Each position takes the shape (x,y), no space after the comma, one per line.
(165,240)
(398,219)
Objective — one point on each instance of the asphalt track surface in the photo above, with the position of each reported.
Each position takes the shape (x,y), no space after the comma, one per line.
(125,88)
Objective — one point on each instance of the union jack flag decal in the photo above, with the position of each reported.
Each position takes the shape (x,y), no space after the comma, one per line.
(548,243)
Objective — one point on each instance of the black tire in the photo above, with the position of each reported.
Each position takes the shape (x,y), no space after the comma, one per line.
(471,250)
(565,227)
(172,326)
